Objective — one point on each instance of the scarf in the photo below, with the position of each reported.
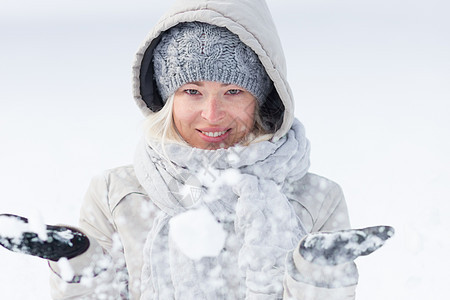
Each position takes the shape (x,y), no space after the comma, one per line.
(244,188)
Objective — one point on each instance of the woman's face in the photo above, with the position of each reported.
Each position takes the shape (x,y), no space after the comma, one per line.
(212,115)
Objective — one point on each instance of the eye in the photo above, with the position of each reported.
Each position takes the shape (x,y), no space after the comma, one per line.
(192,92)
(233,92)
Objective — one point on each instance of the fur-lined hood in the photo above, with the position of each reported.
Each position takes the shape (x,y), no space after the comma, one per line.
(252,22)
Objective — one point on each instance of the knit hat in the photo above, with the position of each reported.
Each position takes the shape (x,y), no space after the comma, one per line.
(196,51)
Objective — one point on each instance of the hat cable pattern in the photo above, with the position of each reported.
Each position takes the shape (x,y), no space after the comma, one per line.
(195,51)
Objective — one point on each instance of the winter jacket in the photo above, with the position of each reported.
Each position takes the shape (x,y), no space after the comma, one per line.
(117,213)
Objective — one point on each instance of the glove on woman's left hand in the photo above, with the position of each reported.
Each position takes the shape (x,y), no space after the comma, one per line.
(17,236)
(333,248)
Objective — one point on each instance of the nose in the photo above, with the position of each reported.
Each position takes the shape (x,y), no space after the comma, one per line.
(213,110)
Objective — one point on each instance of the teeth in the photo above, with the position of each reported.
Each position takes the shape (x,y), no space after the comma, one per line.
(214,134)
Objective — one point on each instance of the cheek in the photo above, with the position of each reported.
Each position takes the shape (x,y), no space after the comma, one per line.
(182,115)
(247,116)
(185,119)
(176,116)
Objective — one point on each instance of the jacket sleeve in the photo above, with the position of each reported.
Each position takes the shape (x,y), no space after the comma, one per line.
(308,281)
(333,213)
(100,270)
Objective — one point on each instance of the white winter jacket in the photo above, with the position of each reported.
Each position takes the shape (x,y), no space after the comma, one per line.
(117,214)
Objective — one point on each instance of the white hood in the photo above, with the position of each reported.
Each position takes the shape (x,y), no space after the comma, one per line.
(252,22)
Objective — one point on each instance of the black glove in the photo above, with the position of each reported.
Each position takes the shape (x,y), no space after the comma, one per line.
(15,235)
(333,248)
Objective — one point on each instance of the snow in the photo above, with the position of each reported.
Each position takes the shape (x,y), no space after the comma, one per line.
(37,225)
(64,235)
(320,247)
(65,270)
(12,227)
(197,233)
(370,79)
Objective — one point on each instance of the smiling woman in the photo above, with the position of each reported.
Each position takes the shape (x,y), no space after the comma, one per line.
(245,114)
(221,139)
(217,82)
(212,115)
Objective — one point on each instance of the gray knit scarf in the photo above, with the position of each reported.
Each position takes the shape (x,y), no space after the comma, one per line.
(261,224)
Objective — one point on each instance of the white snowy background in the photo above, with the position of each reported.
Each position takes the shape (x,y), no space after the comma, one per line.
(371,81)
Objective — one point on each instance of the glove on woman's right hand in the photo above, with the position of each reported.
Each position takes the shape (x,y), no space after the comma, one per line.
(333,248)
(17,236)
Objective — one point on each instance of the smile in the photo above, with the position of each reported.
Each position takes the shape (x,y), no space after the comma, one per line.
(214,134)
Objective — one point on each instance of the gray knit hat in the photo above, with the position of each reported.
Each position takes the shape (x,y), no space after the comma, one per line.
(195,51)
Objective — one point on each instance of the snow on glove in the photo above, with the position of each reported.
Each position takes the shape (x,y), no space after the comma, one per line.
(333,248)
(17,235)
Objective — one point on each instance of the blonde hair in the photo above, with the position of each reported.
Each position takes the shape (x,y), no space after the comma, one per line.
(160,126)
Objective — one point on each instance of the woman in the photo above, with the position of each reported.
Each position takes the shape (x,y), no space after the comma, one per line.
(220,139)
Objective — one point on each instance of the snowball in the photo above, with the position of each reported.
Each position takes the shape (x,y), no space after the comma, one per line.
(37,225)
(197,233)
(231,177)
(65,269)
(12,227)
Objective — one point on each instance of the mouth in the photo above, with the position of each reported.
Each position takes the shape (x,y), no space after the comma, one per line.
(214,135)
